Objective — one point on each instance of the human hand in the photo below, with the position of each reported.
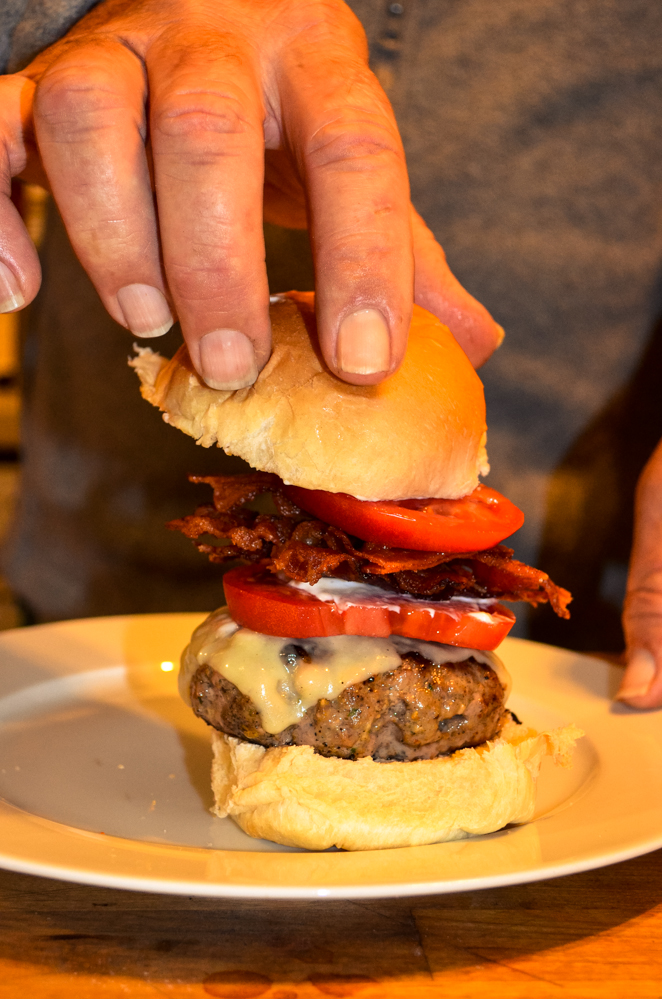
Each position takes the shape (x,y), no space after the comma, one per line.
(151,120)
(641,686)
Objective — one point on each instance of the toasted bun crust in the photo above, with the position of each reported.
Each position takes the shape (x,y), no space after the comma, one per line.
(420,433)
(294,796)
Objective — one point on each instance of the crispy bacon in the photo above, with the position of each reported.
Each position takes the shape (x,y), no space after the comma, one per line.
(304,549)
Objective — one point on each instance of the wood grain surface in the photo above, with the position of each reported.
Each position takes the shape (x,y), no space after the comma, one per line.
(597,934)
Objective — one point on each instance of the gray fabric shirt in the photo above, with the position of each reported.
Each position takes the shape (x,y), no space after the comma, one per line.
(534,147)
(27,27)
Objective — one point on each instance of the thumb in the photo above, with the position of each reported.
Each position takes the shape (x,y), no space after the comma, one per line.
(642,616)
(437,289)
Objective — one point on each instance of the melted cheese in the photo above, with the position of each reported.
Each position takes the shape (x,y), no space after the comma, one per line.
(281,690)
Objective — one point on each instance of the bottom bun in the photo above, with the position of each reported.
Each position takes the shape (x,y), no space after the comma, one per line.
(296,797)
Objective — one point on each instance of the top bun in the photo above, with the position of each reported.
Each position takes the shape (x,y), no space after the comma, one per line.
(420,433)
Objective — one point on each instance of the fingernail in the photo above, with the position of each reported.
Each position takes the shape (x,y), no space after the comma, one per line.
(145,310)
(11,296)
(364,344)
(227,360)
(501,333)
(638,677)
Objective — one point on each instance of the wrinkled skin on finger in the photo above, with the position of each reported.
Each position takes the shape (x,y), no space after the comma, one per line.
(167,129)
(20,272)
(642,616)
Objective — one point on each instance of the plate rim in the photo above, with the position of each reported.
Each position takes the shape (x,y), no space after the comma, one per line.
(234,889)
(335,893)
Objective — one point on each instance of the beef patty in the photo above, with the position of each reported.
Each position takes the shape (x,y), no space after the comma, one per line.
(416,712)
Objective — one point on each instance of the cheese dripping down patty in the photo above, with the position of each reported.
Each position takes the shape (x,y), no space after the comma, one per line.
(282,686)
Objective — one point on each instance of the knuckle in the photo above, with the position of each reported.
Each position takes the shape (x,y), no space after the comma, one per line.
(325,12)
(204,276)
(185,114)
(353,142)
(645,599)
(210,266)
(78,98)
(332,22)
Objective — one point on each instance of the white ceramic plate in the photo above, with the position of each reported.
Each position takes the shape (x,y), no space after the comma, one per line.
(104,778)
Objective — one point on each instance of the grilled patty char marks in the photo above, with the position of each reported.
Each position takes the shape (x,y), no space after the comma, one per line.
(416,712)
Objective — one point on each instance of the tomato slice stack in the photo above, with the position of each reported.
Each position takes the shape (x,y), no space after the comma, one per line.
(261,601)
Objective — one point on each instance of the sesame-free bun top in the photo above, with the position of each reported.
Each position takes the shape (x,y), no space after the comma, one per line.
(420,433)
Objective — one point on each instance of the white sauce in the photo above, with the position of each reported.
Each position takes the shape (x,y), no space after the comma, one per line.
(283,692)
(345,593)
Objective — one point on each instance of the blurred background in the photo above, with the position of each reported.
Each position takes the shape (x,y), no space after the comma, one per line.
(32,202)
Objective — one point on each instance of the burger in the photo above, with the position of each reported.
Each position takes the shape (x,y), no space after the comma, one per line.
(350,682)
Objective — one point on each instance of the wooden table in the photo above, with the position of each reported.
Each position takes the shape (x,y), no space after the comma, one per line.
(597,934)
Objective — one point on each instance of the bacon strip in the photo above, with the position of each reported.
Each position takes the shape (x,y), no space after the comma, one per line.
(289,542)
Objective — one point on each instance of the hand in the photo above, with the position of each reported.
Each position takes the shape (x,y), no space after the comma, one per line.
(642,617)
(151,120)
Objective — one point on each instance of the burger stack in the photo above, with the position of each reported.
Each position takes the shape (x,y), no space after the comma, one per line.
(350,682)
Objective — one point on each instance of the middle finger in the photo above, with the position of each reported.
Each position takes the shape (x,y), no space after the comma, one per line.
(208,147)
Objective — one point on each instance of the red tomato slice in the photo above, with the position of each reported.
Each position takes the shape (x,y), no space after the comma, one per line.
(258,600)
(478,521)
